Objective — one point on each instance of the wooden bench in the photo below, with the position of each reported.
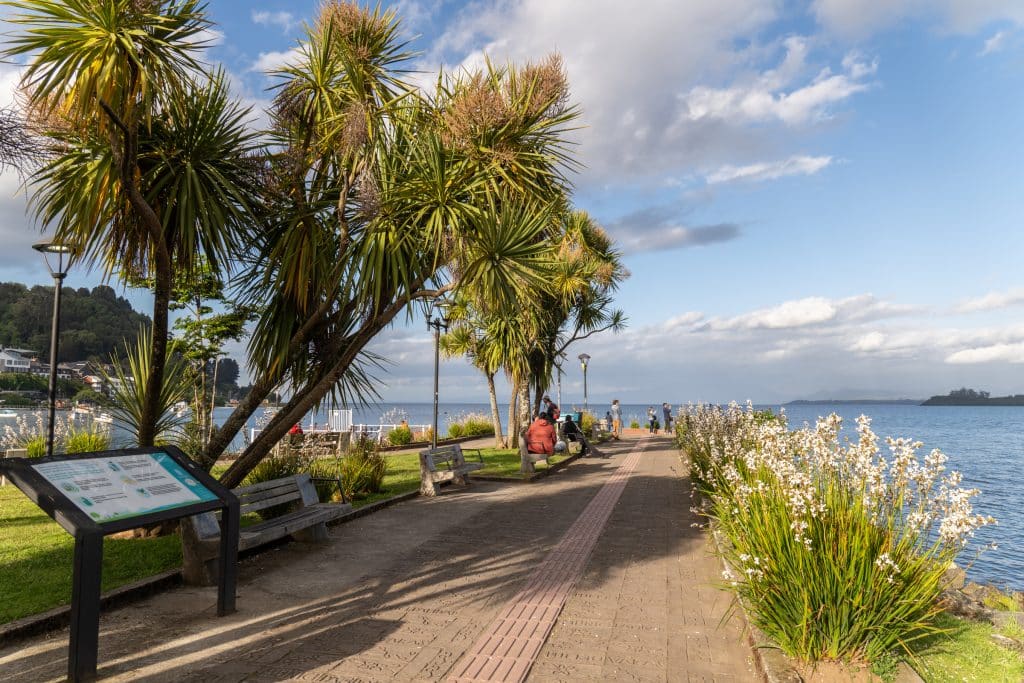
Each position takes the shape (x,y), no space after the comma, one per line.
(445,463)
(307,523)
(527,459)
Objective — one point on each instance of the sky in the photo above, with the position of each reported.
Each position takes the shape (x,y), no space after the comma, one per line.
(817,199)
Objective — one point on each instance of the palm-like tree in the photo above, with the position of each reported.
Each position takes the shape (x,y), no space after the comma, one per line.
(383,198)
(150,164)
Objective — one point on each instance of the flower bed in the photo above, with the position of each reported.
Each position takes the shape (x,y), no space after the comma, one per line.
(839,550)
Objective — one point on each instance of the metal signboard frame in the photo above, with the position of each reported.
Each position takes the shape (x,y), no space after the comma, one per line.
(88,534)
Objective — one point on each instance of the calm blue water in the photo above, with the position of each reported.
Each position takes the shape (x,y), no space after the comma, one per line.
(986,444)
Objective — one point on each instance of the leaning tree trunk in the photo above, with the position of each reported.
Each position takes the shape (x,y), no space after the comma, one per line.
(499,441)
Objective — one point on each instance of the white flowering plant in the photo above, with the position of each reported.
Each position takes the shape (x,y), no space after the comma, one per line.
(838,549)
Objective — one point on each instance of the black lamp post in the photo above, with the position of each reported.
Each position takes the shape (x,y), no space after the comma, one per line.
(584,359)
(62,254)
(437,322)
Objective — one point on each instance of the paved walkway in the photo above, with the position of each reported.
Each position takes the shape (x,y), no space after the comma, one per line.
(591,574)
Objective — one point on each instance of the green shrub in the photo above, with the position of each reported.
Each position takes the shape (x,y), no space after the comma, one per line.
(362,470)
(326,474)
(634,424)
(86,441)
(477,425)
(36,446)
(587,423)
(838,552)
(399,436)
(455,430)
(275,467)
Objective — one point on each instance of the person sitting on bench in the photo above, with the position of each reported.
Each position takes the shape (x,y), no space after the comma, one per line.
(574,433)
(540,436)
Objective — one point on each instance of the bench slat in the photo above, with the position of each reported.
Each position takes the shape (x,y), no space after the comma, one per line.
(250,506)
(250,489)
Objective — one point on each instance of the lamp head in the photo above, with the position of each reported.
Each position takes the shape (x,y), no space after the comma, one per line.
(62,253)
(584,359)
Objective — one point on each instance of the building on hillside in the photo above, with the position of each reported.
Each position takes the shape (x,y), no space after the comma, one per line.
(11,360)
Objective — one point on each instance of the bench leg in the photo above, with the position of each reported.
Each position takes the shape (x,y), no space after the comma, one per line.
(526,466)
(428,487)
(198,567)
(461,479)
(314,534)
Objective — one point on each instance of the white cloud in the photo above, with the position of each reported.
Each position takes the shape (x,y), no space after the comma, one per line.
(271,61)
(995,353)
(814,311)
(285,20)
(872,341)
(995,43)
(764,101)
(795,165)
(991,301)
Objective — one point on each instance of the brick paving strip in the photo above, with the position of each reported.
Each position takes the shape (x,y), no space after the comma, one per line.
(510,645)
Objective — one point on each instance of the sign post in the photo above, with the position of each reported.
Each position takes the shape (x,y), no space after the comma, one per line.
(92,495)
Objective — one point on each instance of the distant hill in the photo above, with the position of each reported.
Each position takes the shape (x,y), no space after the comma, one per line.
(857,401)
(970,397)
(92,322)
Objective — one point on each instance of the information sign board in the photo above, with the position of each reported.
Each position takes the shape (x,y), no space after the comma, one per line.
(119,486)
(95,494)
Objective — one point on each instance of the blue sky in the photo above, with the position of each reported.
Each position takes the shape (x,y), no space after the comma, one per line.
(815,198)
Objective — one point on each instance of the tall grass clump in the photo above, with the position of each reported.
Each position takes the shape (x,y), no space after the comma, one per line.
(362,470)
(837,550)
(470,424)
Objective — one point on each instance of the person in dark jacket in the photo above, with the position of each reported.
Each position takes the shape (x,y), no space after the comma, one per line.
(540,436)
(666,410)
(574,433)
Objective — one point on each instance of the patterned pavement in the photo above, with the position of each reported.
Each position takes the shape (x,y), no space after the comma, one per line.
(591,574)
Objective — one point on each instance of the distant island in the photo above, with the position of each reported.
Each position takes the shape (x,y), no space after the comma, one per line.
(970,397)
(857,401)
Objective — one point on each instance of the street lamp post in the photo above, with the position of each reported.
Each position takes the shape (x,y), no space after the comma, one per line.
(62,254)
(436,322)
(584,359)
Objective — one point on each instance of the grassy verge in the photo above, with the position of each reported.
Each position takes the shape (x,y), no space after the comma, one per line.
(36,555)
(36,558)
(966,653)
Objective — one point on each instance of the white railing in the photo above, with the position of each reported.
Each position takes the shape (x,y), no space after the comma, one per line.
(376,432)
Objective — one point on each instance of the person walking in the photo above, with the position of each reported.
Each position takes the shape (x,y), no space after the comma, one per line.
(652,419)
(616,420)
(666,410)
(552,409)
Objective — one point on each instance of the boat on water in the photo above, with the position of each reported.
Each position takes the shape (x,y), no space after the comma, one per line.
(7,413)
(103,418)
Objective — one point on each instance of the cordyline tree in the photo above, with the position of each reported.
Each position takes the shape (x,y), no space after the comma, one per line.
(371,198)
(149,163)
(381,197)
(527,342)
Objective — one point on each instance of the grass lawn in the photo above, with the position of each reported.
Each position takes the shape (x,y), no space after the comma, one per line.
(36,554)
(966,653)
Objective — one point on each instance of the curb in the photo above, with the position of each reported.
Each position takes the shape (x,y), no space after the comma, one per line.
(59,617)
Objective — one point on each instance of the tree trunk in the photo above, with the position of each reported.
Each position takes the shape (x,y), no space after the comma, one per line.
(513,422)
(524,404)
(158,359)
(492,392)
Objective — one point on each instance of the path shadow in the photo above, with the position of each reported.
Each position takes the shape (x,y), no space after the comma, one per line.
(406,584)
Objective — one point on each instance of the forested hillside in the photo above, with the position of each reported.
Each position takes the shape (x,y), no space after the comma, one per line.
(93,323)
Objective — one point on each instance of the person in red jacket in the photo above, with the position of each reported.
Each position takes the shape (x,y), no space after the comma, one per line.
(540,437)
